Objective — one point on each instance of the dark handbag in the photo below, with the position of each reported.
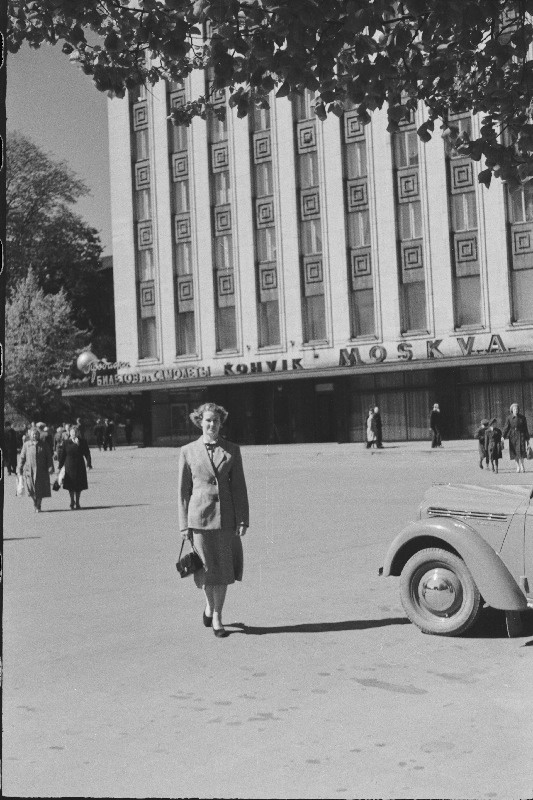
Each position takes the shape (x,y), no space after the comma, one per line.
(189,563)
(55,486)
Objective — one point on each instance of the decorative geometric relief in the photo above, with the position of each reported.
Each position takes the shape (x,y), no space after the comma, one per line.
(354,130)
(140,116)
(222,220)
(264,212)
(262,148)
(218,97)
(219,157)
(268,282)
(177,99)
(466,254)
(356,195)
(412,261)
(306,135)
(522,238)
(147,299)
(182,227)
(361,268)
(462,176)
(142,175)
(407,185)
(185,290)
(309,204)
(313,275)
(180,166)
(145,237)
(225,288)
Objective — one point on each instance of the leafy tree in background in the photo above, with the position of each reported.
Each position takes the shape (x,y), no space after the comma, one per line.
(41,342)
(45,236)
(454,55)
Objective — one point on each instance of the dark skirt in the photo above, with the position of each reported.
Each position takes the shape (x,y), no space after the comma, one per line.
(221,551)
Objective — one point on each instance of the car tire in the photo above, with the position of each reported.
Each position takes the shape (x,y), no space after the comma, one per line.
(438,592)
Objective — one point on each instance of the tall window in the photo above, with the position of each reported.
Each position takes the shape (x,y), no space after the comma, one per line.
(181,218)
(265,229)
(310,227)
(464,231)
(144,245)
(409,228)
(360,280)
(224,276)
(520,214)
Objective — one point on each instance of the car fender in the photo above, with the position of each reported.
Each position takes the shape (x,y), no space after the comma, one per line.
(494,581)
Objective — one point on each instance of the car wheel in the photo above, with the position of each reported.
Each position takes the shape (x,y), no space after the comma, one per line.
(438,592)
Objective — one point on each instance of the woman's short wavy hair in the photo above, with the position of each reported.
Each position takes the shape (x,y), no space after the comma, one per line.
(513,406)
(198,413)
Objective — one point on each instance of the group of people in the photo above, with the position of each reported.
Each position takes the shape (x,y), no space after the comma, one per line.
(491,440)
(41,447)
(104,431)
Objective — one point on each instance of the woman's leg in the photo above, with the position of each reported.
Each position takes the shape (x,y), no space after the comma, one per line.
(219,595)
(209,600)
(72,502)
(77,494)
(521,464)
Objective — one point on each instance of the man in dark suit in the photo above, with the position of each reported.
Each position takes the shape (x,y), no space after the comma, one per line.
(10,448)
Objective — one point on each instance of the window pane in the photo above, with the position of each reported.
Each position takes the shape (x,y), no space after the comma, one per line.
(181,196)
(183,258)
(263,177)
(458,216)
(221,186)
(522,290)
(414,306)
(178,139)
(356,166)
(269,323)
(416,218)
(223,252)
(145,265)
(226,328)
(363,312)
(148,335)
(471,210)
(467,300)
(308,170)
(142,204)
(185,338)
(314,318)
(528,201)
(140,145)
(404,221)
(515,206)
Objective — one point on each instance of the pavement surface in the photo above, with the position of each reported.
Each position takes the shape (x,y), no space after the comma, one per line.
(113,687)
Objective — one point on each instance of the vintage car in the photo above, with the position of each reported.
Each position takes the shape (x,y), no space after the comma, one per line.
(469,545)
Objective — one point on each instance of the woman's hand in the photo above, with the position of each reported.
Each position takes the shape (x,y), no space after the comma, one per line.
(51,470)
(187,535)
(241,530)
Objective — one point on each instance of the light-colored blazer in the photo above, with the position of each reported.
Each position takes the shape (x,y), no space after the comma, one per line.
(211,497)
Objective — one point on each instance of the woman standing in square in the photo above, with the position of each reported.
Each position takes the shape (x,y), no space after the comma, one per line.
(213,509)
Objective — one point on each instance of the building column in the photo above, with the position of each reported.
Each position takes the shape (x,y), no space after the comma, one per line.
(123,231)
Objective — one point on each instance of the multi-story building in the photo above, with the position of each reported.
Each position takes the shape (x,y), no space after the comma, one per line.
(299,272)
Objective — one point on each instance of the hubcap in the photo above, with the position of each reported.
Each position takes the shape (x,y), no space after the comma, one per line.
(439,591)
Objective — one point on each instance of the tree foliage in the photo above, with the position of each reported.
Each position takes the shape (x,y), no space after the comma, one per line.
(454,55)
(45,236)
(41,343)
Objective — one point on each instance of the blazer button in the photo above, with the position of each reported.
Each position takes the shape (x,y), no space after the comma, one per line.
(213,480)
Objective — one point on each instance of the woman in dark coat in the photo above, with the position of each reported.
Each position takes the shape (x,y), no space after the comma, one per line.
(71,456)
(35,467)
(434,424)
(517,432)
(213,509)
(480,435)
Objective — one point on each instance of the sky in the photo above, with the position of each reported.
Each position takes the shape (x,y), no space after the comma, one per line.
(52,102)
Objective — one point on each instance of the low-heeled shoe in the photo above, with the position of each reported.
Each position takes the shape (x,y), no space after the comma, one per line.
(220,633)
(208,621)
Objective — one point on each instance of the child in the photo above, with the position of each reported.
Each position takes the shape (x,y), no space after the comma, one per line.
(494,444)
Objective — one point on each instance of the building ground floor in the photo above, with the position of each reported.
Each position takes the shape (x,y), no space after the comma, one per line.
(296,408)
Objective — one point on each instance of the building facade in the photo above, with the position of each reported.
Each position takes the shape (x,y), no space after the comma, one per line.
(299,272)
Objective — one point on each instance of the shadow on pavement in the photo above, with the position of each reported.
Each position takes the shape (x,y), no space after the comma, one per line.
(19,538)
(320,627)
(92,508)
(491,625)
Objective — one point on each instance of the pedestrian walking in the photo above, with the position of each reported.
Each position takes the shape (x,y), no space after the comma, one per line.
(99,433)
(370,432)
(213,509)
(109,434)
(58,441)
(35,467)
(481,444)
(493,444)
(72,456)
(377,427)
(517,432)
(10,448)
(434,425)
